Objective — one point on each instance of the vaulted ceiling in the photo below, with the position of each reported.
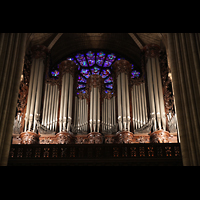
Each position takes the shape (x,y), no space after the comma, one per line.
(126,44)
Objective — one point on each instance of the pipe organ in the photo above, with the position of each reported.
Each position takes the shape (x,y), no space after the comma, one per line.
(139,106)
(50,107)
(94,84)
(122,72)
(61,115)
(108,114)
(32,115)
(155,91)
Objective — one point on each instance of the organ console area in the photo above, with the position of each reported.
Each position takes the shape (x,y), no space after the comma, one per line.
(94,98)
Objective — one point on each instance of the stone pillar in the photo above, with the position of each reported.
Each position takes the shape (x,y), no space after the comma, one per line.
(184,60)
(12,52)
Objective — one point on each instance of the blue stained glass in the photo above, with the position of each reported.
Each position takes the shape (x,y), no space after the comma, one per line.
(90,55)
(105,73)
(106,91)
(72,59)
(95,70)
(81,79)
(101,54)
(108,80)
(80,86)
(107,63)
(83,63)
(111,57)
(85,72)
(55,73)
(91,62)
(110,86)
(99,62)
(100,58)
(80,56)
(83,91)
(135,74)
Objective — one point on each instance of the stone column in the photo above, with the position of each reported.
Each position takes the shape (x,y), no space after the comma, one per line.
(12,52)
(184,60)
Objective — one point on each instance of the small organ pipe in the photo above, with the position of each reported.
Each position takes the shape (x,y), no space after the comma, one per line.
(47,104)
(155,85)
(70,103)
(140,105)
(162,107)
(119,102)
(94,109)
(91,107)
(98,115)
(132,101)
(29,94)
(114,112)
(151,95)
(123,100)
(61,105)
(127,103)
(33,93)
(44,105)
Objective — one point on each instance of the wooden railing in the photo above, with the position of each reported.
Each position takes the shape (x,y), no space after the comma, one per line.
(96,154)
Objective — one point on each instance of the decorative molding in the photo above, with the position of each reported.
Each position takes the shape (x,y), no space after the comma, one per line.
(29,138)
(159,136)
(151,50)
(39,51)
(121,66)
(67,66)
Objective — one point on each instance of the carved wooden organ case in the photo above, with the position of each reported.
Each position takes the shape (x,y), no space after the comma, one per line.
(57,113)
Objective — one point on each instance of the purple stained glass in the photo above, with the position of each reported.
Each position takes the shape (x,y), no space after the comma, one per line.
(110,86)
(111,57)
(108,80)
(72,59)
(81,79)
(107,63)
(135,74)
(85,73)
(80,56)
(55,73)
(95,70)
(91,62)
(106,91)
(83,63)
(83,91)
(90,55)
(99,62)
(100,58)
(105,73)
(80,86)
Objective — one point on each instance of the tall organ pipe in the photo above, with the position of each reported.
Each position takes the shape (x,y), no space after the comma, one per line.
(122,71)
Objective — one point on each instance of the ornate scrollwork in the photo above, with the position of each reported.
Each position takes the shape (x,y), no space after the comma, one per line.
(151,50)
(121,66)
(39,51)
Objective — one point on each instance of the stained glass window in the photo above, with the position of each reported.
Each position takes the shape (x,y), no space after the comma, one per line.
(95,62)
(55,73)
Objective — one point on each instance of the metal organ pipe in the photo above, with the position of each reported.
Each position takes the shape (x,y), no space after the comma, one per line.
(155,87)
(29,95)
(119,102)
(160,92)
